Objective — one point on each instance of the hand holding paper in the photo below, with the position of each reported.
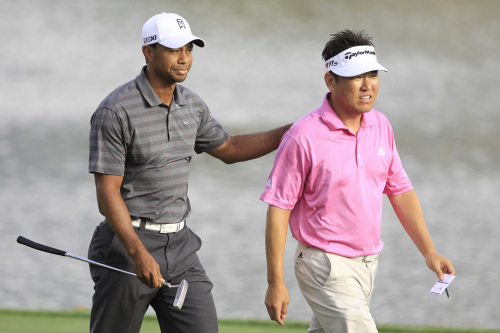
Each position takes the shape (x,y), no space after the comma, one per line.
(441,286)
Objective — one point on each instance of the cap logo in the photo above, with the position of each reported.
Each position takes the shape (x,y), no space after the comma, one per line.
(181,24)
(148,39)
(331,63)
(349,55)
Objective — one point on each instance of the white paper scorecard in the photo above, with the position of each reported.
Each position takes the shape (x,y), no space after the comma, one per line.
(440,286)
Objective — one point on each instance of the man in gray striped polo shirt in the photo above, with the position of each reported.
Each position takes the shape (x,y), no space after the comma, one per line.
(142,139)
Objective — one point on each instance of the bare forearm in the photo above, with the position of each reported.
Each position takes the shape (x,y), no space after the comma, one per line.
(276,230)
(117,215)
(409,212)
(259,144)
(244,147)
(277,298)
(408,209)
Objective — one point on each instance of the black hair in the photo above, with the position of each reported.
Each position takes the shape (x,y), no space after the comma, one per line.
(344,40)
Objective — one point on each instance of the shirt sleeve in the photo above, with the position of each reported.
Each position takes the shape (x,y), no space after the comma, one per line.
(288,176)
(210,133)
(107,148)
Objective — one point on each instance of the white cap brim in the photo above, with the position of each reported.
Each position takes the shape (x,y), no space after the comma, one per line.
(360,68)
(180,41)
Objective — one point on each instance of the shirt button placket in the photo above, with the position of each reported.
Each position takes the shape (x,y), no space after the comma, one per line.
(359,155)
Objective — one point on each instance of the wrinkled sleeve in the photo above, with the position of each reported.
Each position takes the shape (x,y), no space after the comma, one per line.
(210,133)
(107,148)
(398,181)
(288,176)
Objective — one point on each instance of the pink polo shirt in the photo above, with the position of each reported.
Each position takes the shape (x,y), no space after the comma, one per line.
(333,181)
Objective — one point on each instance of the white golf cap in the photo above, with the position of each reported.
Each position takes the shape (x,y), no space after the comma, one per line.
(170,30)
(354,61)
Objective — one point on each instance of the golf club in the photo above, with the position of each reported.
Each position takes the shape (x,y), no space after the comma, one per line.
(179,297)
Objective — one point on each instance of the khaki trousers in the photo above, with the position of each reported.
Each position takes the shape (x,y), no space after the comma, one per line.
(338,290)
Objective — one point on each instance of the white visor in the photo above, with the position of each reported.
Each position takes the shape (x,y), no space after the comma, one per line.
(354,61)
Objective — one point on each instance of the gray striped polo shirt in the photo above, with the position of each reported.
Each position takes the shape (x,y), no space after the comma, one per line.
(134,135)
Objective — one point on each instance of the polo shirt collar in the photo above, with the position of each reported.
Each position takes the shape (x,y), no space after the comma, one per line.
(149,94)
(333,121)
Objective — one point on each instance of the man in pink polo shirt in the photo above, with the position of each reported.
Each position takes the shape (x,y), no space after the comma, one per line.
(329,176)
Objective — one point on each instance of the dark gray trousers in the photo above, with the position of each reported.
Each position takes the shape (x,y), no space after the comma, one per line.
(120,301)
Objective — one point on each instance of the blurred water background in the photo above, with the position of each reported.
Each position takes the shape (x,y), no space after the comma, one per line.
(261,68)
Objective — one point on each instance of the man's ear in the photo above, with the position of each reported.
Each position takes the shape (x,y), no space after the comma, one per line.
(148,53)
(330,81)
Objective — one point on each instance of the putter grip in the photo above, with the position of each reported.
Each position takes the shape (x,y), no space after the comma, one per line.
(40,247)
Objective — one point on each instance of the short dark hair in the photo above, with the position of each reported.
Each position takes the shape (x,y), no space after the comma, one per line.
(344,40)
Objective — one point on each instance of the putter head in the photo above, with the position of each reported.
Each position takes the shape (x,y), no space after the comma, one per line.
(181,294)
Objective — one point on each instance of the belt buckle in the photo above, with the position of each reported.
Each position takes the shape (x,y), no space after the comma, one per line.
(170,228)
(370,258)
(136,223)
(164,229)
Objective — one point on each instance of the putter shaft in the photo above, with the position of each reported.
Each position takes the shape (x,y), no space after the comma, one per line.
(182,287)
(74,256)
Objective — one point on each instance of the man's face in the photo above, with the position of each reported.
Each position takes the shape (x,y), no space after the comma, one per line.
(172,65)
(353,95)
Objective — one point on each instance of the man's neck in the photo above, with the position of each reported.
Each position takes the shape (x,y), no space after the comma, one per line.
(164,91)
(353,123)
(351,120)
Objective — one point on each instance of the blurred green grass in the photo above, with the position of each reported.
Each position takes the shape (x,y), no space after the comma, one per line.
(22,321)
